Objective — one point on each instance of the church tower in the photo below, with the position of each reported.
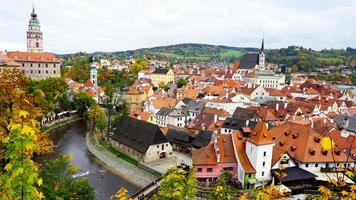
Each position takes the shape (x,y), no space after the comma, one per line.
(34,34)
(93,74)
(261,59)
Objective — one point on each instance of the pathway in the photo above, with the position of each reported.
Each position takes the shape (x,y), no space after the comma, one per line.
(130,172)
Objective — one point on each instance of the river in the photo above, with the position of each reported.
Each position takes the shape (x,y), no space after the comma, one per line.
(70,139)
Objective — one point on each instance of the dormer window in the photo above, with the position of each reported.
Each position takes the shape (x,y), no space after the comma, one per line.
(293,148)
(312,152)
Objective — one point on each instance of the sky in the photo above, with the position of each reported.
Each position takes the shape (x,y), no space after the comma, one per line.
(114,25)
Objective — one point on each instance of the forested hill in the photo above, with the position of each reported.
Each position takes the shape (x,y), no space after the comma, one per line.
(188,52)
(304,59)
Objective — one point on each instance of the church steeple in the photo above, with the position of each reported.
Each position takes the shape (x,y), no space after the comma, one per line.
(261,57)
(262,46)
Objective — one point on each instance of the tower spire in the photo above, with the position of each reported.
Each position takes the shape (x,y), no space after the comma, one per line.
(263,45)
(33,14)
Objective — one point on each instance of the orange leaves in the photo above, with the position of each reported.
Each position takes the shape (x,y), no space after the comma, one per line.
(325,193)
(120,195)
(43,144)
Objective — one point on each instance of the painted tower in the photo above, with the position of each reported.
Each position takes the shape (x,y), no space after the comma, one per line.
(93,74)
(259,150)
(34,34)
(261,59)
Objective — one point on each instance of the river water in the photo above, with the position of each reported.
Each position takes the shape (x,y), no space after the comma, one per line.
(70,139)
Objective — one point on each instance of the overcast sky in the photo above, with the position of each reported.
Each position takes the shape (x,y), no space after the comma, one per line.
(113,25)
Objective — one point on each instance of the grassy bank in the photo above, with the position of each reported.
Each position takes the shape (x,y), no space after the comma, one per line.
(118,153)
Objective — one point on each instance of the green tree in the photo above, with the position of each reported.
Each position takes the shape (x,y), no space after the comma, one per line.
(83,102)
(58,181)
(138,66)
(111,101)
(20,138)
(20,177)
(178,184)
(181,82)
(223,191)
(123,111)
(97,117)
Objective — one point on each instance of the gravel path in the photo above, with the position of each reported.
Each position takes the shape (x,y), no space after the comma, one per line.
(128,171)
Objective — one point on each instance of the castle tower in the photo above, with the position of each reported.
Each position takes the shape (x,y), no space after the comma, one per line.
(261,59)
(34,34)
(93,74)
(259,150)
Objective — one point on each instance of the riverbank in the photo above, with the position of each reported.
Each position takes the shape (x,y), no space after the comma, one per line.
(60,122)
(124,169)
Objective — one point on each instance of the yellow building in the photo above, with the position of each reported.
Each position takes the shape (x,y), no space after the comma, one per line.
(137,95)
(6,63)
(162,75)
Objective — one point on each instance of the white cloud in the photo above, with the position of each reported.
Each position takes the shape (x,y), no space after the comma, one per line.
(110,25)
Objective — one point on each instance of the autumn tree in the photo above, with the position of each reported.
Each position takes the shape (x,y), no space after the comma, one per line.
(83,102)
(120,195)
(177,184)
(138,66)
(20,138)
(97,117)
(58,181)
(161,84)
(20,177)
(222,190)
(52,89)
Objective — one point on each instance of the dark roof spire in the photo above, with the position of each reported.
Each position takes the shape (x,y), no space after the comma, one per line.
(33,14)
(263,45)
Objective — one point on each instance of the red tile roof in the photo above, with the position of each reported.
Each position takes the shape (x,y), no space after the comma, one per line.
(303,143)
(206,155)
(240,152)
(33,57)
(260,135)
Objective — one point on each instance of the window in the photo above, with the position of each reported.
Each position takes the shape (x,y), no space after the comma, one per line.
(39,71)
(46,65)
(31,71)
(46,71)
(157,146)
(31,65)
(54,72)
(263,173)
(199,169)
(316,165)
(227,168)
(249,175)
(162,147)
(264,163)
(209,169)
(264,153)
(307,165)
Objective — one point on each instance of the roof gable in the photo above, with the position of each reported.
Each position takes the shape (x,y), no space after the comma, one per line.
(138,134)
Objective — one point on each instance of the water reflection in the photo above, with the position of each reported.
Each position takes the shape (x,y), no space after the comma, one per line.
(71,139)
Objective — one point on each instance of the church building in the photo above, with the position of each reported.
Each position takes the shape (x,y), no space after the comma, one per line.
(253,61)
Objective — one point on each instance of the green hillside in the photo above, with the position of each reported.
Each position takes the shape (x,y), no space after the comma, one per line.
(183,53)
